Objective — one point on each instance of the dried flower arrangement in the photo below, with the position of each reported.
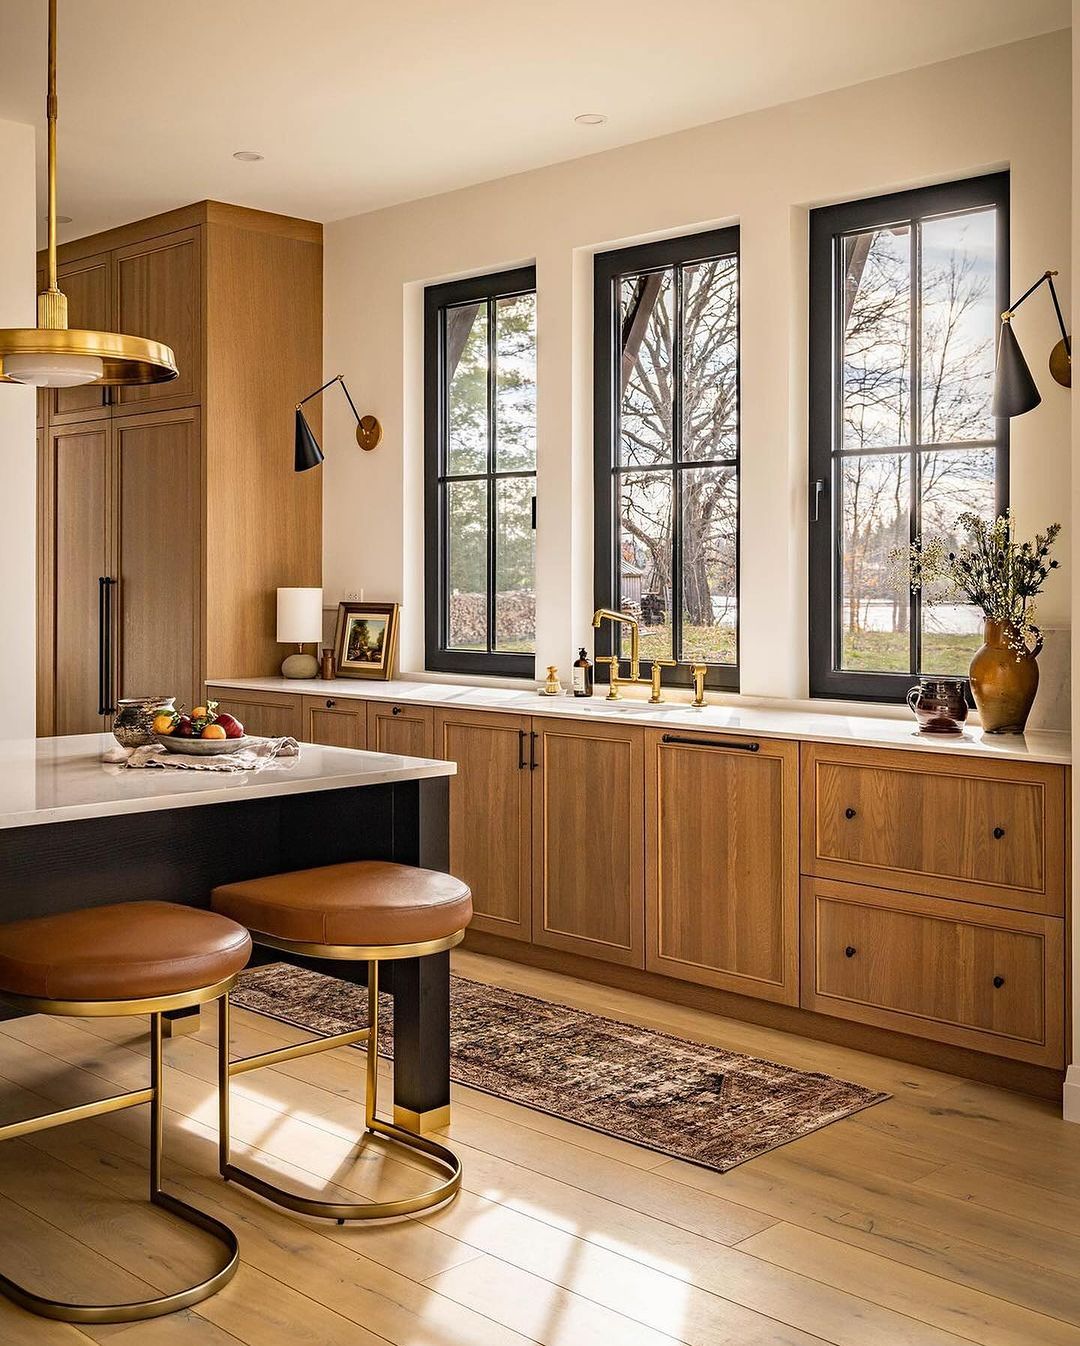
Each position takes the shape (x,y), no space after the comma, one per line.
(992,570)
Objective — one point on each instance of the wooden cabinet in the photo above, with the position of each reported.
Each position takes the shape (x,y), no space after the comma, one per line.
(956,972)
(338,722)
(87,282)
(268,714)
(491,815)
(158,294)
(589,839)
(970,829)
(408,731)
(722,868)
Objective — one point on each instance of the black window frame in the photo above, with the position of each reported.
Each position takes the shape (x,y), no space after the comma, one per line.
(437,298)
(828,227)
(608,269)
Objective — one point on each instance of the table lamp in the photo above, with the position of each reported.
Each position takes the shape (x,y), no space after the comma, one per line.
(299,621)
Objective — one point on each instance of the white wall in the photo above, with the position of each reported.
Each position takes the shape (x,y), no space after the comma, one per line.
(1008,107)
(18,453)
(1072,1086)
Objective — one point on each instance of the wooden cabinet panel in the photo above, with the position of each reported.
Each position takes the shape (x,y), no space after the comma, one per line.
(589,839)
(953,971)
(490,815)
(80,468)
(87,284)
(266,714)
(338,722)
(158,294)
(158,596)
(966,828)
(722,880)
(408,731)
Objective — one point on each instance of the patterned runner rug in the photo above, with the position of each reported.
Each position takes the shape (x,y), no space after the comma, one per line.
(686,1099)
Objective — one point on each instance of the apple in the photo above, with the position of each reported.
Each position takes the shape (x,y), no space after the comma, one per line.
(232,726)
(183,727)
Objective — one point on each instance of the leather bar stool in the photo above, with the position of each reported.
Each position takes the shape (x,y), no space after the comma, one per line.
(370,911)
(132,958)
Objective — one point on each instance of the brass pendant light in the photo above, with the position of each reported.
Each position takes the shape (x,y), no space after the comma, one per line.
(53,355)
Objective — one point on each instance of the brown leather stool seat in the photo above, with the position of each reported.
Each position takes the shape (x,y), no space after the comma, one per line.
(366,903)
(127,951)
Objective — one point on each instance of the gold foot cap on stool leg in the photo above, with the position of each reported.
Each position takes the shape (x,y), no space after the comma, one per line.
(435,1119)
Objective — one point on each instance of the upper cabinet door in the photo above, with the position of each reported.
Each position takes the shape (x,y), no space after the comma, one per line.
(158,289)
(89,296)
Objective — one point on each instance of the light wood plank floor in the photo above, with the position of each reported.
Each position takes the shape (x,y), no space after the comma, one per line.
(949,1215)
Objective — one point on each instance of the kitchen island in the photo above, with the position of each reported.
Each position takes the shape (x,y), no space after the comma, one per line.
(78,832)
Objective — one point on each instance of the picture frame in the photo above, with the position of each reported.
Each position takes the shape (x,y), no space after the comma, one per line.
(365,641)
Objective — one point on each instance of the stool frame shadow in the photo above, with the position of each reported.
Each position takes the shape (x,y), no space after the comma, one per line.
(374,1125)
(140,1309)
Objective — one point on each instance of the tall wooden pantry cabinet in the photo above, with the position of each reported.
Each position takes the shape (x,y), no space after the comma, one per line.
(169,514)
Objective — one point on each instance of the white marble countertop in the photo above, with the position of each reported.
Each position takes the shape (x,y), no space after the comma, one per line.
(50,780)
(724,714)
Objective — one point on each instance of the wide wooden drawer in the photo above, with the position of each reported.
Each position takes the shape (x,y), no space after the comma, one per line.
(336,721)
(970,975)
(971,829)
(267,714)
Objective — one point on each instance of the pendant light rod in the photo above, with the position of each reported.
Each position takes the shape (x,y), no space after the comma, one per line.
(50,116)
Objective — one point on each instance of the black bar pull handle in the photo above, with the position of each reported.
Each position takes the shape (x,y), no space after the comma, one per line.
(522,764)
(710,743)
(107,644)
(533,763)
(103,584)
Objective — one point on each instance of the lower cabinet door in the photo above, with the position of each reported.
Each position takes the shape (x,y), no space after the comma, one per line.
(266,714)
(337,722)
(408,731)
(955,972)
(490,815)
(589,839)
(722,862)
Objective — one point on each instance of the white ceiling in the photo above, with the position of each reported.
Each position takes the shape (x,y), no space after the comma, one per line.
(358,104)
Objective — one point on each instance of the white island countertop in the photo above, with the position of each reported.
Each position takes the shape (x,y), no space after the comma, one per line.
(51,780)
(725,714)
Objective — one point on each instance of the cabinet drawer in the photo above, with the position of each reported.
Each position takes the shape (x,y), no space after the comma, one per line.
(267,714)
(408,731)
(975,830)
(336,721)
(952,971)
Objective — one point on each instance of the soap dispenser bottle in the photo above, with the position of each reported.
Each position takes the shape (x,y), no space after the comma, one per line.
(582,675)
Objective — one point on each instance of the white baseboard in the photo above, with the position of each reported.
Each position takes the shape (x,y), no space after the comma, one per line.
(1070,1095)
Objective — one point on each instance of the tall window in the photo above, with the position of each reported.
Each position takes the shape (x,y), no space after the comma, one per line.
(667,449)
(480,432)
(905,295)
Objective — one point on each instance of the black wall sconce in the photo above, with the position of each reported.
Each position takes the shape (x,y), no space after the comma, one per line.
(308,453)
(1014,388)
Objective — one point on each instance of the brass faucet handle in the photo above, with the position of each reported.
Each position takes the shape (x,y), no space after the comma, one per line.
(613,661)
(657,666)
(698,672)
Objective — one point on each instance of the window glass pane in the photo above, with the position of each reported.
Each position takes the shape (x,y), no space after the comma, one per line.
(645,559)
(709,561)
(958,327)
(645,373)
(874,601)
(515,599)
(876,315)
(466,345)
(466,565)
(515,384)
(952,483)
(710,359)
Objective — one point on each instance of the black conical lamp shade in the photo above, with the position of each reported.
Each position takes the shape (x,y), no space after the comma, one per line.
(308,453)
(1014,388)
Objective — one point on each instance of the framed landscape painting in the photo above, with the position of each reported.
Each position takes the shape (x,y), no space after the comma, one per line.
(366,641)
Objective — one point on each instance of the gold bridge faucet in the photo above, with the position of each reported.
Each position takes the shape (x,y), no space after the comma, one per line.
(608,614)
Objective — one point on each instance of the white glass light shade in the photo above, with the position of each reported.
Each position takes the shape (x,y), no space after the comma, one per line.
(53,371)
(299,616)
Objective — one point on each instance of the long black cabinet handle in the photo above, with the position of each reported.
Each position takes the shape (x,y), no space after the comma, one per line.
(105,650)
(710,743)
(533,763)
(522,764)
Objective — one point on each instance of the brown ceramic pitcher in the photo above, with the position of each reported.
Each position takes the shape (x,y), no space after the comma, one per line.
(939,705)
(1004,682)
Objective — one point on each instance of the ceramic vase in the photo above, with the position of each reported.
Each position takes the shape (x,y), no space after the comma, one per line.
(1003,682)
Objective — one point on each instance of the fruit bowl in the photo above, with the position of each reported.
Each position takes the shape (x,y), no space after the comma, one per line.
(203,747)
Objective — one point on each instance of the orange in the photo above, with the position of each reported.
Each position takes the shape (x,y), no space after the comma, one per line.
(213,731)
(199,713)
(163,724)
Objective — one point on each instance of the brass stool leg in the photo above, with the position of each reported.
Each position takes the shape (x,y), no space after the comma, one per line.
(139,1309)
(373,1125)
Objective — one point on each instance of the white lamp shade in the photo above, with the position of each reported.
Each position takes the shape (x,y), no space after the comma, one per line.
(53,371)
(299,616)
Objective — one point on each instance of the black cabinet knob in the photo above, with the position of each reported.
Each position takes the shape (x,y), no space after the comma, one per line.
(849,813)
(396,710)
(330,704)
(999,832)
(849,952)
(999,982)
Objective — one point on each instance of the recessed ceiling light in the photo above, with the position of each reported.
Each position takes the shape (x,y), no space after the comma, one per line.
(247,156)
(590,119)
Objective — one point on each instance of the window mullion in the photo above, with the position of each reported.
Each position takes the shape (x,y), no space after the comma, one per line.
(914,435)
(676,455)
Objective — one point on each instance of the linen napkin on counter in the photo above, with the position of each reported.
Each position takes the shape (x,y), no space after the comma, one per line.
(255,756)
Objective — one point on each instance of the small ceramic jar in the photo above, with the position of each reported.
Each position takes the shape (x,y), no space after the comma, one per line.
(133,723)
(940,705)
